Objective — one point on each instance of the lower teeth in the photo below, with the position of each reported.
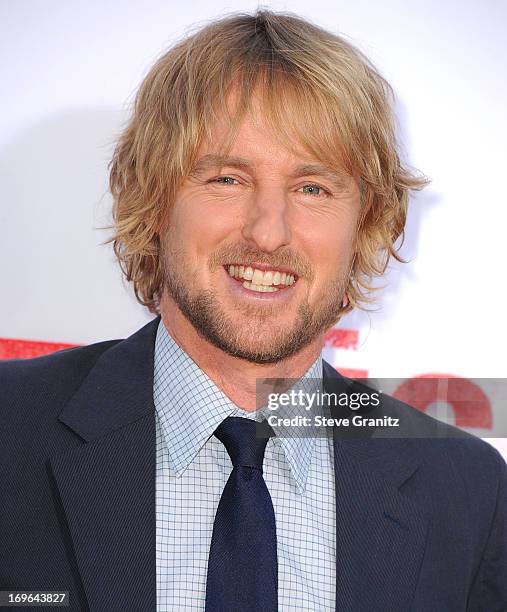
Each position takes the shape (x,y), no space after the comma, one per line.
(260,288)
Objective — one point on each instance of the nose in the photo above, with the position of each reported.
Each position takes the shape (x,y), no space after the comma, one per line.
(266,226)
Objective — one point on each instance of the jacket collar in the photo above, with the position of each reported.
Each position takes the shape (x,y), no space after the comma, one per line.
(118,390)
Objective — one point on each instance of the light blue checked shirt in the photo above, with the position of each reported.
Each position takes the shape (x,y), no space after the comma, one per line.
(192,468)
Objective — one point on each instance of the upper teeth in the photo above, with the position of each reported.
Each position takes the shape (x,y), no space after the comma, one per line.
(261,277)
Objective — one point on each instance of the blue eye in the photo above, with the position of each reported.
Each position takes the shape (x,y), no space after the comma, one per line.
(313,190)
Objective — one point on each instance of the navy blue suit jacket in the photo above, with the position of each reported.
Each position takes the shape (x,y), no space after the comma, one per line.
(421,522)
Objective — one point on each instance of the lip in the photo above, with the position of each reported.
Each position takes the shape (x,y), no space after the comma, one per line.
(264,267)
(282,295)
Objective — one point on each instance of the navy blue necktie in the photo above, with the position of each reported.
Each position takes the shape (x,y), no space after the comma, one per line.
(242,566)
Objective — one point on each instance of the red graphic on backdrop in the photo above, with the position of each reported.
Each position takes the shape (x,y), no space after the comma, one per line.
(342,338)
(471,405)
(11,348)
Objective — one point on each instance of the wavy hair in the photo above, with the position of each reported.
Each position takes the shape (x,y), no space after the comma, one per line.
(317,90)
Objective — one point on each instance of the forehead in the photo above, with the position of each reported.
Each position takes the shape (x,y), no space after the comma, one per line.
(252,140)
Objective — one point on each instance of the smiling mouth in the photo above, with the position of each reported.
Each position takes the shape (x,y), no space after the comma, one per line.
(263,281)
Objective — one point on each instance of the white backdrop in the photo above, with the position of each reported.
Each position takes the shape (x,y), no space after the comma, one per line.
(69,72)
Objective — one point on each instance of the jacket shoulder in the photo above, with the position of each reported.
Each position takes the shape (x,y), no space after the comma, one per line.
(455,453)
(31,387)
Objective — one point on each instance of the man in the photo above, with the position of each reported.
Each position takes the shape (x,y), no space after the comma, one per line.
(257,191)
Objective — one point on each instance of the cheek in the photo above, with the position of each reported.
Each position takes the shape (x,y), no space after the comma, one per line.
(199,225)
(215,224)
(329,247)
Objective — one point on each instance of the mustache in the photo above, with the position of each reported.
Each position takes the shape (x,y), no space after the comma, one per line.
(283,258)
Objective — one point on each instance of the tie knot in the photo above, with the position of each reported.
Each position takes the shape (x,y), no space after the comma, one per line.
(245,440)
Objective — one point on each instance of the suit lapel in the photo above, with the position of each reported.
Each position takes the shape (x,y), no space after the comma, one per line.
(380,532)
(106,487)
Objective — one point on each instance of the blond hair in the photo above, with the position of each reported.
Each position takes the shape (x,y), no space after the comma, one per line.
(317,90)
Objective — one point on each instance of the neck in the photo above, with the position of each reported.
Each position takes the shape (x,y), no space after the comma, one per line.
(237,378)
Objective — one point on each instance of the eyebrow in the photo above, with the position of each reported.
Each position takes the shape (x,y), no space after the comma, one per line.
(340,180)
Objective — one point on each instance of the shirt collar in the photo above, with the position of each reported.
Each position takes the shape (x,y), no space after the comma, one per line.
(185,395)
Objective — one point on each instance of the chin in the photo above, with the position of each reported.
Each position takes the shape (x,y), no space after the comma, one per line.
(259,346)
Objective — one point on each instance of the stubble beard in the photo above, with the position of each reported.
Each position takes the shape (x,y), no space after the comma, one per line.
(258,340)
